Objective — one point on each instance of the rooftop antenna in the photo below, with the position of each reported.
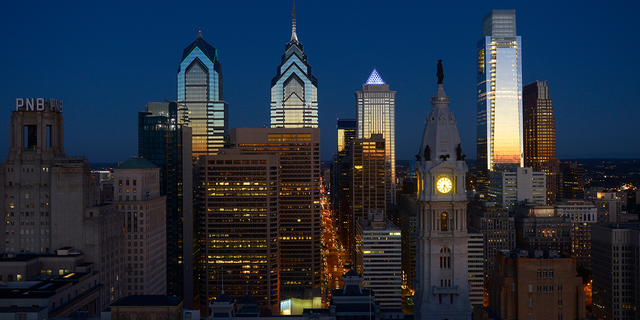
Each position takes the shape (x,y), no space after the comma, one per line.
(294,36)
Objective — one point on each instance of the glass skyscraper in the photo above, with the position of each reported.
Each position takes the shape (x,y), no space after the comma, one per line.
(500,127)
(294,90)
(375,114)
(200,97)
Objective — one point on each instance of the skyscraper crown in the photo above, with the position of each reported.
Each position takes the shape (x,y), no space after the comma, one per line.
(375,78)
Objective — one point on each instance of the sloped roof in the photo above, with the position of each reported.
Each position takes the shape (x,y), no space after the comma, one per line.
(136,163)
(204,46)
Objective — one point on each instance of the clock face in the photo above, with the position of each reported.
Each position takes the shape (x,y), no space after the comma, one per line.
(444,185)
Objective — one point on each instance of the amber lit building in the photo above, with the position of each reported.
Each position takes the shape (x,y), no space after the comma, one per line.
(571,181)
(538,227)
(369,192)
(540,134)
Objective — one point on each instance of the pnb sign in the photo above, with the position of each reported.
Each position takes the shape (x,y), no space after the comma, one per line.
(38,104)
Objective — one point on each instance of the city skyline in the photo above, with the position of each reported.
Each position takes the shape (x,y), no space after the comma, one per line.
(107,63)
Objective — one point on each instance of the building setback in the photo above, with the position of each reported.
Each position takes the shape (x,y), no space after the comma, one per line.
(137,183)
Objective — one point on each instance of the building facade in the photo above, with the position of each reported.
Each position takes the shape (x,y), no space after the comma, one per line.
(298,203)
(375,114)
(540,135)
(583,216)
(294,89)
(240,245)
(571,182)
(609,206)
(137,183)
(51,201)
(615,258)
(538,227)
(476,266)
(500,127)
(165,142)
(200,97)
(341,186)
(519,185)
(369,176)
(535,284)
(379,258)
(442,273)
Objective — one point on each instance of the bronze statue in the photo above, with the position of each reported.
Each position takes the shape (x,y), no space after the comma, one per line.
(427,153)
(459,151)
(440,73)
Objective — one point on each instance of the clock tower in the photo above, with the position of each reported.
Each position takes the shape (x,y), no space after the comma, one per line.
(442,285)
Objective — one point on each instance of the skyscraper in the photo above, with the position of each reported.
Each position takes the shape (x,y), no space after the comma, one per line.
(166,143)
(200,97)
(375,114)
(500,129)
(540,135)
(442,274)
(368,172)
(294,90)
(342,180)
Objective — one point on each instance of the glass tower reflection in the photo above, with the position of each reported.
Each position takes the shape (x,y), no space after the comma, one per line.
(200,97)
(294,90)
(375,114)
(500,128)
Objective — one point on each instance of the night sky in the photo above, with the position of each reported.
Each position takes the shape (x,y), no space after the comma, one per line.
(105,60)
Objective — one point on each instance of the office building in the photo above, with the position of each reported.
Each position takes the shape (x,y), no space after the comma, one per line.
(200,97)
(583,216)
(538,227)
(476,267)
(165,142)
(500,127)
(540,135)
(145,229)
(240,221)
(609,207)
(571,181)
(376,114)
(614,266)
(368,174)
(298,203)
(442,273)
(341,191)
(405,217)
(294,89)
(534,284)
(519,185)
(379,258)
(51,201)
(498,230)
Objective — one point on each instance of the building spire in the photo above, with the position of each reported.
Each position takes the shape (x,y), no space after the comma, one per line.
(294,36)
(199,33)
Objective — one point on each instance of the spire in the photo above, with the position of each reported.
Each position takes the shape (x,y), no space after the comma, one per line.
(375,78)
(294,36)
(199,33)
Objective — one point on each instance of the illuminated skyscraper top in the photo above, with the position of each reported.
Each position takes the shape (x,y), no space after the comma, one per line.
(375,114)
(200,97)
(294,89)
(500,127)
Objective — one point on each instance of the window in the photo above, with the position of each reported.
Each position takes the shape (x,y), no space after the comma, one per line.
(530,302)
(530,288)
(539,288)
(559,316)
(559,302)
(544,273)
(444,218)
(550,273)
(539,273)
(559,288)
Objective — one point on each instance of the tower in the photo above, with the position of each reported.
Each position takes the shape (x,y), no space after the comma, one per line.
(342,180)
(500,129)
(442,285)
(200,97)
(540,135)
(375,114)
(294,90)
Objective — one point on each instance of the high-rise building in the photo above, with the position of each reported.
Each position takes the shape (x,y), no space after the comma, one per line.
(342,180)
(442,274)
(376,114)
(583,216)
(137,196)
(379,258)
(200,97)
(535,284)
(519,185)
(497,227)
(51,201)
(500,128)
(298,190)
(405,217)
(614,265)
(294,89)
(368,172)
(540,135)
(609,207)
(538,227)
(240,245)
(165,142)
(571,182)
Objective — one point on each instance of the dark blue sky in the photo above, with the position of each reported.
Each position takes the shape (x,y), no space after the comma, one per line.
(105,60)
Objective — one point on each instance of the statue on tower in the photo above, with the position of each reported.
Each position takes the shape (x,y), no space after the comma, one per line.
(440,73)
